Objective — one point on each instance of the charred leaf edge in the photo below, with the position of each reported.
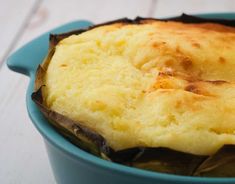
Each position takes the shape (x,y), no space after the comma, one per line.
(89,140)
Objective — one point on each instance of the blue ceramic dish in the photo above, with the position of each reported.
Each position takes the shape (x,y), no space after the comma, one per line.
(70,164)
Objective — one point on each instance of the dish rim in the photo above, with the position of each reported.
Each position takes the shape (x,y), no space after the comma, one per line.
(58,141)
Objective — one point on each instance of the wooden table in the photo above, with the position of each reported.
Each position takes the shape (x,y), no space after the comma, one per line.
(23,158)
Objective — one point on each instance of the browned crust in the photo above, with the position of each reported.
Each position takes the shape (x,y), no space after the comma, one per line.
(215,24)
(93,142)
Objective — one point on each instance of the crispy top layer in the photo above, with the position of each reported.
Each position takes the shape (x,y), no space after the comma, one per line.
(152,84)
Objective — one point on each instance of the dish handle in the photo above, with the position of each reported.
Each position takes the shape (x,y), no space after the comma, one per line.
(26,59)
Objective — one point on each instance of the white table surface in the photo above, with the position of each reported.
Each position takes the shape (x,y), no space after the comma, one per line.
(23,158)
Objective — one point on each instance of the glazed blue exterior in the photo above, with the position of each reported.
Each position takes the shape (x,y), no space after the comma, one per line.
(70,164)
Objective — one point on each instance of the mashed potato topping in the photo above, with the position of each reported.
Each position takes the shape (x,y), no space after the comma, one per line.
(154,84)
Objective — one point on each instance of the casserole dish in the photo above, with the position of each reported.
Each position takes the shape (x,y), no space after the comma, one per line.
(69,163)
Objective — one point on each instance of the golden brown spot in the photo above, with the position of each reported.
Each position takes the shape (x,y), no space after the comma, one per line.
(220,130)
(178,104)
(158,44)
(217,82)
(163,84)
(155,45)
(166,73)
(169,72)
(178,50)
(222,60)
(197,89)
(197,45)
(193,88)
(63,65)
(186,63)
(168,63)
